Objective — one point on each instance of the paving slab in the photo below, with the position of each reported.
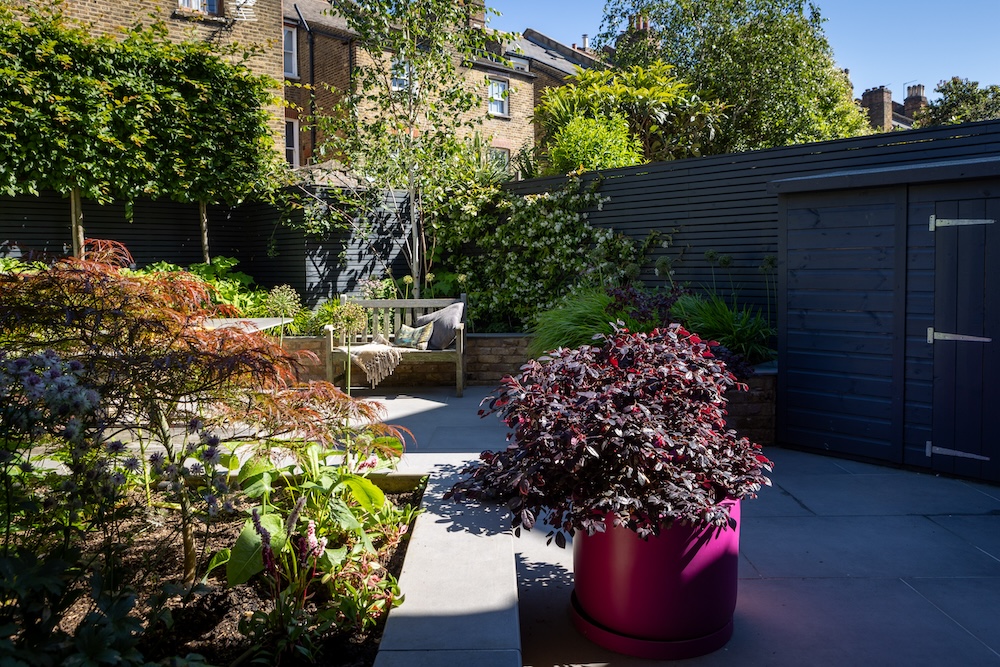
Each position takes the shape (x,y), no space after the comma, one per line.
(860,546)
(981,531)
(774,500)
(842,562)
(973,604)
(459,577)
(890,493)
(795,462)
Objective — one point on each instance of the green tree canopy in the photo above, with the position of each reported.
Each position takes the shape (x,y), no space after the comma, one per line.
(115,118)
(961,101)
(767,60)
(412,96)
(663,113)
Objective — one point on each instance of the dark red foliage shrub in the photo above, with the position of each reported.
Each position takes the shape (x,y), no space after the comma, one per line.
(634,427)
(643,309)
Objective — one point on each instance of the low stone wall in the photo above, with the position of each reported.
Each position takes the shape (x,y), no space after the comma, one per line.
(488,357)
(751,413)
(309,350)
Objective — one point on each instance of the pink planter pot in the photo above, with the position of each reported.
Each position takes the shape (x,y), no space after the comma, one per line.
(669,597)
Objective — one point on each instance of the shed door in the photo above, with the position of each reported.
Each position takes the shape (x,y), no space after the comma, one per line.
(966,338)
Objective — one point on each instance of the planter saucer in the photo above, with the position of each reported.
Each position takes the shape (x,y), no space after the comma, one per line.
(647,648)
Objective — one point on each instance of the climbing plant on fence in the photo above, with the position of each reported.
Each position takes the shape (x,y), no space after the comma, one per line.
(521,254)
(113,119)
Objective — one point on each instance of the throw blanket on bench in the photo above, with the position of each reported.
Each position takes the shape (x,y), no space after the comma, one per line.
(377,359)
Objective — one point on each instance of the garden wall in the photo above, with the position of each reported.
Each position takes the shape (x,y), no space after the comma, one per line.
(722,202)
(752,412)
(488,357)
(719,203)
(270,251)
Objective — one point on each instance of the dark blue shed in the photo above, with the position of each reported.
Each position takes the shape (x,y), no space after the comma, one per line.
(889,312)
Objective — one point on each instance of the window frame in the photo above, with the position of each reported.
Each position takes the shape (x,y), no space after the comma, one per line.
(519,64)
(500,156)
(504,100)
(293,150)
(400,70)
(292,54)
(210,7)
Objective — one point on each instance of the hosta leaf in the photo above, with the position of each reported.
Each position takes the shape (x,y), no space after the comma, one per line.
(364,491)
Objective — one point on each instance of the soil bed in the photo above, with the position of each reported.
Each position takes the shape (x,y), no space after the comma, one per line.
(207,622)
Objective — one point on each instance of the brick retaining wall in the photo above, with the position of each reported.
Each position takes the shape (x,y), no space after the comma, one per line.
(489,357)
(752,412)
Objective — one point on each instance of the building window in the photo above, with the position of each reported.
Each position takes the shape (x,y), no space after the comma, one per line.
(499,158)
(292,142)
(402,73)
(291,52)
(498,97)
(519,64)
(206,6)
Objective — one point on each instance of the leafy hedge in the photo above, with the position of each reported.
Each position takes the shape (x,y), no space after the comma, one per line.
(137,115)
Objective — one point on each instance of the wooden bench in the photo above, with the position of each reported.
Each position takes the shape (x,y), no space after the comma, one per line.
(384,318)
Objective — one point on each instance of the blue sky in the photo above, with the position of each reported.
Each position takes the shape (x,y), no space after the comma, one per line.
(881,43)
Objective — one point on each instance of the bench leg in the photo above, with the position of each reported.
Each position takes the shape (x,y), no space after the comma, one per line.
(459,377)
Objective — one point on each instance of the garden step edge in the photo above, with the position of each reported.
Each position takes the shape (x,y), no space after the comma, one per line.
(459,580)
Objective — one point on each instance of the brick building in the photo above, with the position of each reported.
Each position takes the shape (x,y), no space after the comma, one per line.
(885,115)
(550,61)
(300,43)
(320,51)
(252,23)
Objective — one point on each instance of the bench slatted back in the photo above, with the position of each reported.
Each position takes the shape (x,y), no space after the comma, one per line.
(386,315)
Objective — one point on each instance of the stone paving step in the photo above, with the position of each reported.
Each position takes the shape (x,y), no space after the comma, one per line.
(459,579)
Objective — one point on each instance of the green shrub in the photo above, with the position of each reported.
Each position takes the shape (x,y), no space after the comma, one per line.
(590,311)
(311,323)
(521,254)
(574,322)
(589,144)
(231,288)
(741,329)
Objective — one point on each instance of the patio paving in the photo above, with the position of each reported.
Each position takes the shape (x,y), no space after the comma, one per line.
(842,563)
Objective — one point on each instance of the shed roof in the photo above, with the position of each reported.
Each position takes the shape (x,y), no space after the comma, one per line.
(867,177)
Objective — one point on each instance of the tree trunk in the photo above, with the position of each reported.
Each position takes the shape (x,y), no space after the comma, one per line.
(203,221)
(76,222)
(414,232)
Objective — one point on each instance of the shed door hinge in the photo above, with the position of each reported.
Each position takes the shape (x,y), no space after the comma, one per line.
(937,335)
(936,222)
(931,449)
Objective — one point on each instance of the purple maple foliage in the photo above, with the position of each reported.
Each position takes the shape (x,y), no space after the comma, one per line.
(634,427)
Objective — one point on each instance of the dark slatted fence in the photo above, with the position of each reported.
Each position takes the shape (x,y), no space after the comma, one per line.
(272,252)
(863,281)
(723,203)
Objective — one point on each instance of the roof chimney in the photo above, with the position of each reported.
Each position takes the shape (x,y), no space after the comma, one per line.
(878,101)
(477,13)
(915,100)
(586,42)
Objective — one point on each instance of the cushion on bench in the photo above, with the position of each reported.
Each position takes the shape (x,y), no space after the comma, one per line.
(445,322)
(417,337)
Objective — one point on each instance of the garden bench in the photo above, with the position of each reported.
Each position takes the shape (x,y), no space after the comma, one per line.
(385,317)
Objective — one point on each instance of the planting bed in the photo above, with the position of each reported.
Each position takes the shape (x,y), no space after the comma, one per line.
(207,622)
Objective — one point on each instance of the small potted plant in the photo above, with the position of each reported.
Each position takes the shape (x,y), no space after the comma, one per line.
(622,445)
